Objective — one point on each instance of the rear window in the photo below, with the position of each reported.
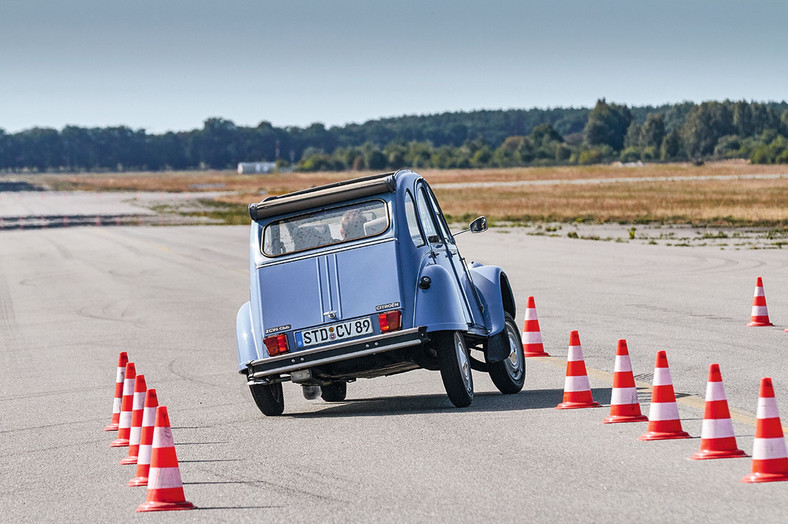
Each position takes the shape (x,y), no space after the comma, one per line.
(325,228)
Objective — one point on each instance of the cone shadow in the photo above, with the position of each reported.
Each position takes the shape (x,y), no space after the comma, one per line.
(210,460)
(236,507)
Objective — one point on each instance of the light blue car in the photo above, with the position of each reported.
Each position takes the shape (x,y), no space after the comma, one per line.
(361,279)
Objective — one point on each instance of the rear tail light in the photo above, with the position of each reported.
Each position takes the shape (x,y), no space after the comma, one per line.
(276,344)
(390,321)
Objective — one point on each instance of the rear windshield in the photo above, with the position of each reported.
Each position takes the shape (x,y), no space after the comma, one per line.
(325,228)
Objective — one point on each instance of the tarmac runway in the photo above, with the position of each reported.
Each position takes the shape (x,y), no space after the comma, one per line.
(396,450)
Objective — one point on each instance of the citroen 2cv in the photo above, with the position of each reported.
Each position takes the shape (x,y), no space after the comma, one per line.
(362,279)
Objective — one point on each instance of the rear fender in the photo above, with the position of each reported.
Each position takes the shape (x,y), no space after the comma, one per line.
(244,337)
(438,307)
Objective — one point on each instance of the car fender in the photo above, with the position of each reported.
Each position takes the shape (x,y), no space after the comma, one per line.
(439,307)
(244,337)
(493,286)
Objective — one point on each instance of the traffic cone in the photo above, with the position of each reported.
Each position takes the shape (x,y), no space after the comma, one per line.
(120,375)
(126,405)
(624,404)
(146,439)
(663,415)
(577,392)
(532,336)
(716,435)
(165,489)
(136,420)
(760,315)
(769,455)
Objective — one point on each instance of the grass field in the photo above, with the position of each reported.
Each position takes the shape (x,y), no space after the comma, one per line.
(716,201)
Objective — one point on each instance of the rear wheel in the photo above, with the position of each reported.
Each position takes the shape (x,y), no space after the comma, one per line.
(455,367)
(509,374)
(269,398)
(334,392)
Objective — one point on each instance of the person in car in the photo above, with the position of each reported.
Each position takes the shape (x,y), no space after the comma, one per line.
(352,225)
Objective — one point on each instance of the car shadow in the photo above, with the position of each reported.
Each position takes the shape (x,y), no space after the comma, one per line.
(420,404)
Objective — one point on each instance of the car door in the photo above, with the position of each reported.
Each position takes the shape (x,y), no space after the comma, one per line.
(443,251)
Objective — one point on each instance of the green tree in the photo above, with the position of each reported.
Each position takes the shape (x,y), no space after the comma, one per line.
(607,125)
(418,154)
(728,146)
(632,138)
(704,126)
(671,146)
(652,133)
(395,155)
(509,153)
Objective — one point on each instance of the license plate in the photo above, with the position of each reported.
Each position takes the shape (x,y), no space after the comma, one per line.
(333,332)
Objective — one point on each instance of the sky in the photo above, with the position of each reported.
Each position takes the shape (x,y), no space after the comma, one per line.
(167,65)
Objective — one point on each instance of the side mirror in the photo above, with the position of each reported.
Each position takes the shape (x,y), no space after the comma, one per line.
(477,226)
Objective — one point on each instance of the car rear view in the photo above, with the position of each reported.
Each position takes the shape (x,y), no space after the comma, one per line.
(325,287)
(362,279)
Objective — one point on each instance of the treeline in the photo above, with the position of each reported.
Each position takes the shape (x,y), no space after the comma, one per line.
(607,132)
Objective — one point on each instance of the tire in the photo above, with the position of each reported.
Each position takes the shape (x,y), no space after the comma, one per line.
(269,398)
(334,392)
(455,367)
(509,374)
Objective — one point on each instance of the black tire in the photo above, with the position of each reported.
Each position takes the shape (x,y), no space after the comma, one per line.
(269,398)
(334,392)
(455,367)
(509,374)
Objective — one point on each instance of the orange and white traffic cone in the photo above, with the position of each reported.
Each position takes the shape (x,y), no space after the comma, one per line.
(120,375)
(532,336)
(624,404)
(165,489)
(137,409)
(146,439)
(760,315)
(769,455)
(577,391)
(663,415)
(126,405)
(716,435)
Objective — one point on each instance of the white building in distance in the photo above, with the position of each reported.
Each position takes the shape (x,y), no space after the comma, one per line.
(249,168)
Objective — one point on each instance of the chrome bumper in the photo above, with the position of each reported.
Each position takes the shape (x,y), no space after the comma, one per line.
(259,369)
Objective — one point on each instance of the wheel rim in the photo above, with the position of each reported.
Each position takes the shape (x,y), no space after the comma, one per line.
(514,362)
(463,361)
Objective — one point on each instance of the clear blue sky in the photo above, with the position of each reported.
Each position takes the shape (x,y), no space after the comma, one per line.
(170,64)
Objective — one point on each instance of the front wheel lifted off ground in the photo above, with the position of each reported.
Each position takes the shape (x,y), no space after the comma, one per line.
(509,374)
(269,398)
(455,367)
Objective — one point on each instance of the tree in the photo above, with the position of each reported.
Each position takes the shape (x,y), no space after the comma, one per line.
(653,131)
(704,126)
(632,138)
(215,143)
(545,134)
(607,125)
(395,155)
(671,146)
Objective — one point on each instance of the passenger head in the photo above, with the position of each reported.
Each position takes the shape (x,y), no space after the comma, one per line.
(352,225)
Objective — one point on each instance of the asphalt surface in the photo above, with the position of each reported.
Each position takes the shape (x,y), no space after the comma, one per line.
(396,450)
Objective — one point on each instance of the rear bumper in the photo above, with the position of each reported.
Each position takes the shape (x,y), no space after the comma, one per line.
(260,369)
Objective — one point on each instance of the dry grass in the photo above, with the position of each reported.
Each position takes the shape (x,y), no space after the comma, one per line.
(729,202)
(720,202)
